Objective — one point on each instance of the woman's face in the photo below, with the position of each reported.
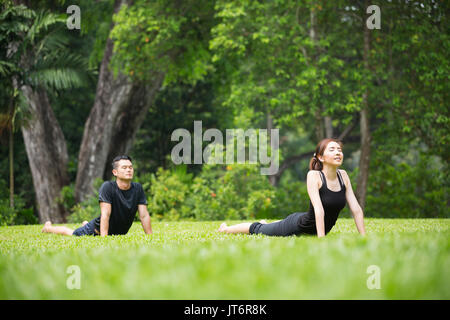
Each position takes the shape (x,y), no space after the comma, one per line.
(332,154)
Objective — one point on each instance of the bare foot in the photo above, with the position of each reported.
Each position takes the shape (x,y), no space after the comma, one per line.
(263,221)
(84,223)
(47,225)
(222,227)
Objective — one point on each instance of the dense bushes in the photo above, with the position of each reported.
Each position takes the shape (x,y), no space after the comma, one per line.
(219,192)
(86,210)
(239,191)
(19,214)
(401,190)
(223,192)
(395,189)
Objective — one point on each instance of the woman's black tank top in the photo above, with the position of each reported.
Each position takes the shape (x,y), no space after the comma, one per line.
(332,202)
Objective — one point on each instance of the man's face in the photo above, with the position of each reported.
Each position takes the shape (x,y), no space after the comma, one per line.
(123,170)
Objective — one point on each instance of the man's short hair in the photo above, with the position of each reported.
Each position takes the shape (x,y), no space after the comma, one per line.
(118,158)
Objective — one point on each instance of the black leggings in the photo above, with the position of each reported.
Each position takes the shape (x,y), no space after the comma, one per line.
(286,227)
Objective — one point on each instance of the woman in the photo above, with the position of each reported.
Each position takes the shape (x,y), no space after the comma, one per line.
(328,188)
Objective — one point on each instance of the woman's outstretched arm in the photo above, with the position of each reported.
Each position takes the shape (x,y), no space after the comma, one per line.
(353,204)
(312,184)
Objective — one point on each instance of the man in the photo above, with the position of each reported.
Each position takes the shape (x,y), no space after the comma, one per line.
(119,200)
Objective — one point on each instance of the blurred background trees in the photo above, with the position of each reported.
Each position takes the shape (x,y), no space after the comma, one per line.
(138,70)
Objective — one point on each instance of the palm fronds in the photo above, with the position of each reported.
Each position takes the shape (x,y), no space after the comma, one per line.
(35,51)
(56,78)
(41,55)
(15,20)
(42,22)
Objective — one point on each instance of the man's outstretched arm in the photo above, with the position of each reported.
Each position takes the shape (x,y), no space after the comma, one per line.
(145,218)
(105,209)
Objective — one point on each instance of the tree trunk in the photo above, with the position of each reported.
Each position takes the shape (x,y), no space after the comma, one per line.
(45,146)
(365,155)
(119,109)
(11,152)
(328,126)
(319,125)
(364,160)
(272,178)
(11,166)
(313,36)
(47,155)
(129,120)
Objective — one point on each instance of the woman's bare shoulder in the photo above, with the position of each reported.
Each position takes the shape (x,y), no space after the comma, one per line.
(313,175)
(344,176)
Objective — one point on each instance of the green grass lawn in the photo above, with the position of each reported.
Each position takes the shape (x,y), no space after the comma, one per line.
(190,260)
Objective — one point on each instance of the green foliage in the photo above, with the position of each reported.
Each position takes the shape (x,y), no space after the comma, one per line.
(290,197)
(408,190)
(35,52)
(234,63)
(239,191)
(17,215)
(277,67)
(219,192)
(177,105)
(21,213)
(235,191)
(40,56)
(411,67)
(163,37)
(67,196)
(86,210)
(168,192)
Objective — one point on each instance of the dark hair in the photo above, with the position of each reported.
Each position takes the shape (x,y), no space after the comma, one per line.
(315,163)
(118,158)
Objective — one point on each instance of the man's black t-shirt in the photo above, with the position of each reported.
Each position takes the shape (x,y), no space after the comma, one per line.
(124,204)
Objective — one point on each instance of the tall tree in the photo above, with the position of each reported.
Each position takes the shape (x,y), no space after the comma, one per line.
(39,62)
(411,66)
(288,58)
(47,154)
(364,160)
(111,97)
(150,44)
